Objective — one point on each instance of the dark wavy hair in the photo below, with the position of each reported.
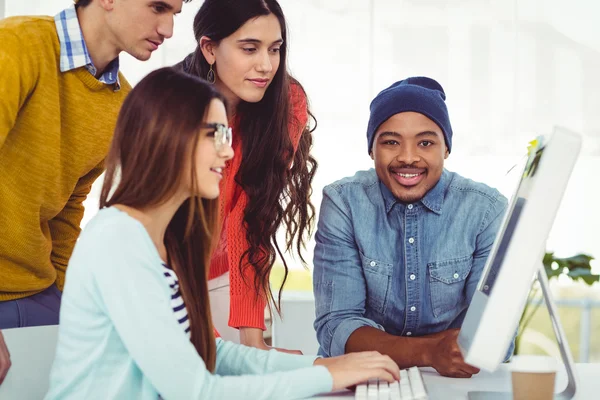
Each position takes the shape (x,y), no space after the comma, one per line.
(277,193)
(157,129)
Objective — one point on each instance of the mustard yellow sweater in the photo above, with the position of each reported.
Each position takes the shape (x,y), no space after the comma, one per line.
(55,130)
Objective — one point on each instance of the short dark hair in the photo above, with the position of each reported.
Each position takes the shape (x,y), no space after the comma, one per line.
(82,3)
(85,3)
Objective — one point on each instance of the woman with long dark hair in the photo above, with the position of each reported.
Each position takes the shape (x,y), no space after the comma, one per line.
(135,318)
(242,49)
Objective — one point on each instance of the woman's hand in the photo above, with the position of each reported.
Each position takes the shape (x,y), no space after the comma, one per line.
(4,359)
(355,368)
(253,337)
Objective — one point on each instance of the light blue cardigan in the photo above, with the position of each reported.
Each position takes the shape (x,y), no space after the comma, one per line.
(119,339)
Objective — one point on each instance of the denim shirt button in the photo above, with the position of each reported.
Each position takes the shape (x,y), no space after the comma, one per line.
(413,308)
(411,240)
(410,206)
(412,277)
(372,263)
(455,275)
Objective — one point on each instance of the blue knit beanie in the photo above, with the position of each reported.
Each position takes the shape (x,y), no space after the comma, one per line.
(419,94)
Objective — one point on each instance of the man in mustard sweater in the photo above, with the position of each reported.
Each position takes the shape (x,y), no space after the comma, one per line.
(61,91)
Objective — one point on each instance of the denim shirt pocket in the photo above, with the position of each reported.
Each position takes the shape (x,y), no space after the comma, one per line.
(447,283)
(378,275)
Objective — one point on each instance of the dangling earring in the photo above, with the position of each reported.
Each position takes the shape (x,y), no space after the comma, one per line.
(210,77)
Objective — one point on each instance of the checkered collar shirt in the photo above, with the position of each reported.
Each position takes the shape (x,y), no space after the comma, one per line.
(73,51)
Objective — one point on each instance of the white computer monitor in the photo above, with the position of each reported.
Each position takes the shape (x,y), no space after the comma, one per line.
(516,256)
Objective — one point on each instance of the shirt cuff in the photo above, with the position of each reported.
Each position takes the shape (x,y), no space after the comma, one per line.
(343,332)
(289,362)
(311,381)
(247,311)
(323,379)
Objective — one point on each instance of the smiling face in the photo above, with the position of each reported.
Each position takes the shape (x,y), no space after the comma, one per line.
(209,162)
(409,153)
(246,61)
(139,27)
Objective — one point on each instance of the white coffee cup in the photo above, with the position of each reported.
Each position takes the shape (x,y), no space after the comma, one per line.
(533,377)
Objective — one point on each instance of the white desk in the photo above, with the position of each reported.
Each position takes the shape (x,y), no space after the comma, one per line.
(440,388)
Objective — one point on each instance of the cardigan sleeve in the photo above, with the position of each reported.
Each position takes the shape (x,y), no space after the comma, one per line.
(129,284)
(246,310)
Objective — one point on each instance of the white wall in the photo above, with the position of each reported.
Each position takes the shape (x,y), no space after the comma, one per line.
(511,71)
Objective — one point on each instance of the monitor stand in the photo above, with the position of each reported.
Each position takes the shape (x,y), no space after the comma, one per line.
(565,352)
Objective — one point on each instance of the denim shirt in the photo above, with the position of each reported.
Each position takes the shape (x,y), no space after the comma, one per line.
(407,269)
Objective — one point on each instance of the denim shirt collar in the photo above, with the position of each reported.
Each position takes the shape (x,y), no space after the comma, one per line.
(433,199)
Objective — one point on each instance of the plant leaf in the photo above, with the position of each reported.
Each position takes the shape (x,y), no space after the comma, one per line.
(584,274)
(576,262)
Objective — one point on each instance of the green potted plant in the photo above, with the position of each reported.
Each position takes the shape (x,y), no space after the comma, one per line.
(577,268)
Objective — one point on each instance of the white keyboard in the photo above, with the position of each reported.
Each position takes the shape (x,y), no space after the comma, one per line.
(410,387)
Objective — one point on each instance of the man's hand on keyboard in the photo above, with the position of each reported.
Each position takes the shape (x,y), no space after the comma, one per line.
(354,368)
(4,359)
(446,357)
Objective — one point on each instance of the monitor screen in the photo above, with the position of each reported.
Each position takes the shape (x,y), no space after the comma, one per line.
(526,171)
(516,255)
(486,284)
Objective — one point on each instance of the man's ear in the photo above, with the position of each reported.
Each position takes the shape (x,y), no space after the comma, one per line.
(447,153)
(108,5)
(371,154)
(207,46)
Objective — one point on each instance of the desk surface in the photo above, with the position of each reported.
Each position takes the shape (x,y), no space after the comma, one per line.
(440,388)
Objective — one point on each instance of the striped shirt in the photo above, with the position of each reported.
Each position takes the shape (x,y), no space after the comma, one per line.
(176,299)
(73,51)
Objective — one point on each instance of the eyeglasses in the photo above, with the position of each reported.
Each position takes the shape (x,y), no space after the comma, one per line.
(222,134)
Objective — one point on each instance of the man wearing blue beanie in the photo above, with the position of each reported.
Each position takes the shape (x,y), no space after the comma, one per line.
(400,248)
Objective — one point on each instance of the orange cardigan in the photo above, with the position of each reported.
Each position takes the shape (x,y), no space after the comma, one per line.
(245,310)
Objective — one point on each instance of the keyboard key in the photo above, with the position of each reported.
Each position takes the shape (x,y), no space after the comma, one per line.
(410,387)
(372,390)
(405,391)
(416,383)
(361,392)
(384,390)
(395,391)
